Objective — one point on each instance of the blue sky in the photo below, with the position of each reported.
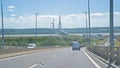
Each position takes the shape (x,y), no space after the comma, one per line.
(20,13)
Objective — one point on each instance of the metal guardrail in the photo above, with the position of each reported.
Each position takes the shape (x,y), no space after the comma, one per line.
(104,52)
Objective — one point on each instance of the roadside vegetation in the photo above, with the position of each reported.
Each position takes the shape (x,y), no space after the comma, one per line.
(96,41)
(53,41)
(117,43)
(42,40)
(104,40)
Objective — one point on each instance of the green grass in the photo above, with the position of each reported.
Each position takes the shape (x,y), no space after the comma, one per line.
(42,41)
(117,43)
(96,41)
(51,41)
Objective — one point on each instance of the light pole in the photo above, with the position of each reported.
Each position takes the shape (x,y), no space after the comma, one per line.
(59,26)
(111,33)
(2,25)
(89,22)
(53,25)
(86,26)
(36,25)
(53,32)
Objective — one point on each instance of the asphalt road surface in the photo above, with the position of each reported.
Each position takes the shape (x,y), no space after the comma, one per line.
(59,58)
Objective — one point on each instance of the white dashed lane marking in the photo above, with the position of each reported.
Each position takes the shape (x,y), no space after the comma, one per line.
(33,66)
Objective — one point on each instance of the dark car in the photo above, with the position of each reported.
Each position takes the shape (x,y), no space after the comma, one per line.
(75,45)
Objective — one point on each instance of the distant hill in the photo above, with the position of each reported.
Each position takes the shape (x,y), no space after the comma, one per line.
(93,30)
(51,31)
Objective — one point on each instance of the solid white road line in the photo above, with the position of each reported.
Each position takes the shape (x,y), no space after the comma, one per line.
(98,66)
(14,57)
(33,66)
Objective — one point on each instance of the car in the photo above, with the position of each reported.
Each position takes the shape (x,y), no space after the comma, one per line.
(31,46)
(75,45)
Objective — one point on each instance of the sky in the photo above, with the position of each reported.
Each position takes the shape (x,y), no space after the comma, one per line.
(20,14)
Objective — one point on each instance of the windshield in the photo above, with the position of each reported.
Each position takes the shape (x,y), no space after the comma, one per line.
(59,33)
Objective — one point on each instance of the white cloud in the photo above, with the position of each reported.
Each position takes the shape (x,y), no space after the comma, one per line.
(67,21)
(117,13)
(64,4)
(20,17)
(11,8)
(97,14)
(13,15)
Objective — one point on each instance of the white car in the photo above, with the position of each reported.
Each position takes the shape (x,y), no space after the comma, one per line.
(31,46)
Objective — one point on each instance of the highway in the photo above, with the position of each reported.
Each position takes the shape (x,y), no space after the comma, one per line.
(59,58)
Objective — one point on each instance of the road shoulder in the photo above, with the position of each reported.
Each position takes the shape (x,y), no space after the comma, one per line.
(2,56)
(99,63)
